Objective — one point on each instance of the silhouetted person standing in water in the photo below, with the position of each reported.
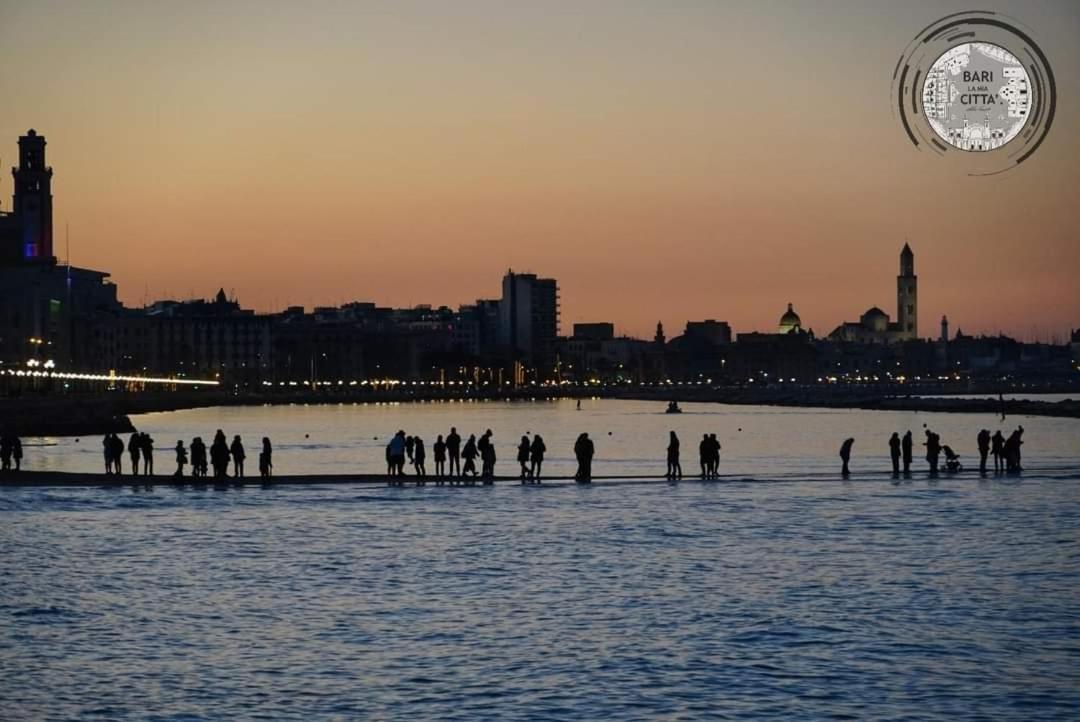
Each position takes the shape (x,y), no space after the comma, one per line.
(395,453)
(469,453)
(181,459)
(487,455)
(116,444)
(584,450)
(933,450)
(1012,450)
(703,455)
(997,442)
(845,455)
(419,457)
(674,467)
(238,456)
(219,455)
(983,442)
(714,456)
(536,457)
(16,451)
(147,445)
(7,449)
(894,453)
(198,457)
(440,459)
(453,451)
(134,443)
(523,457)
(906,445)
(266,459)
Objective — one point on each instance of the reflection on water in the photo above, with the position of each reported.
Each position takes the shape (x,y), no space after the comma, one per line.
(782,600)
(631,436)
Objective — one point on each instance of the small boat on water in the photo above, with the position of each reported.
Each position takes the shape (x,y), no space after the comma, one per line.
(673,408)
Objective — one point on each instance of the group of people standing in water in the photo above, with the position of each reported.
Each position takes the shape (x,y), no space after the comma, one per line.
(449,452)
(708,453)
(218,456)
(140,447)
(1006,452)
(457,462)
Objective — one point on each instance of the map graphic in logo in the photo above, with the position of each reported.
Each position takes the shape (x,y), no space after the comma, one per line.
(976,96)
(976,90)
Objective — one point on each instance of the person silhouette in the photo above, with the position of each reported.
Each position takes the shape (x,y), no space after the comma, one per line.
(933,450)
(674,467)
(396,454)
(146,445)
(997,443)
(236,449)
(1012,450)
(703,455)
(419,457)
(714,456)
(536,457)
(894,453)
(905,444)
(116,450)
(524,449)
(983,442)
(469,453)
(440,460)
(583,451)
(134,445)
(198,457)
(266,459)
(181,459)
(219,455)
(106,448)
(484,447)
(453,451)
(845,456)
(487,457)
(16,451)
(7,449)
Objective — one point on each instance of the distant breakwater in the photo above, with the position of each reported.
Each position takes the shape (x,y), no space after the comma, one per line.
(87,414)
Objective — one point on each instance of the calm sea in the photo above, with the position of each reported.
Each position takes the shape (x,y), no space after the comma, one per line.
(778,592)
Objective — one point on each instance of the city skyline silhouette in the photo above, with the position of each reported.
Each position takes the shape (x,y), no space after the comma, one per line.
(408,157)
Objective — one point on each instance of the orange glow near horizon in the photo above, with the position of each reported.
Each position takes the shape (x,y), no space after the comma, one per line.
(663,162)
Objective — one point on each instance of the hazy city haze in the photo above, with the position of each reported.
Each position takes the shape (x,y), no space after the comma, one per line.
(662,161)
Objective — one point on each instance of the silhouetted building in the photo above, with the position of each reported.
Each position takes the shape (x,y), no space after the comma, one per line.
(595,354)
(874,326)
(203,339)
(48,312)
(529,320)
(594,331)
(790,321)
(26,233)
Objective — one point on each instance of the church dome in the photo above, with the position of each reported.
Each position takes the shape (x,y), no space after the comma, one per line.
(790,321)
(875,320)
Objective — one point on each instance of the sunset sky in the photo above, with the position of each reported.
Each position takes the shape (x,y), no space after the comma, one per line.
(663,160)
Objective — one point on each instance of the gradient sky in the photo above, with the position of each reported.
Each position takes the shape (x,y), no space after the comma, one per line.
(663,160)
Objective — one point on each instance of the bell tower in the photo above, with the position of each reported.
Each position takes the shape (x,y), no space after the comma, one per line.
(33,199)
(907,296)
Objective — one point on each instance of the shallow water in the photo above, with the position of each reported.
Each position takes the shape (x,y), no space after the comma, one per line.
(630,436)
(800,597)
(785,600)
